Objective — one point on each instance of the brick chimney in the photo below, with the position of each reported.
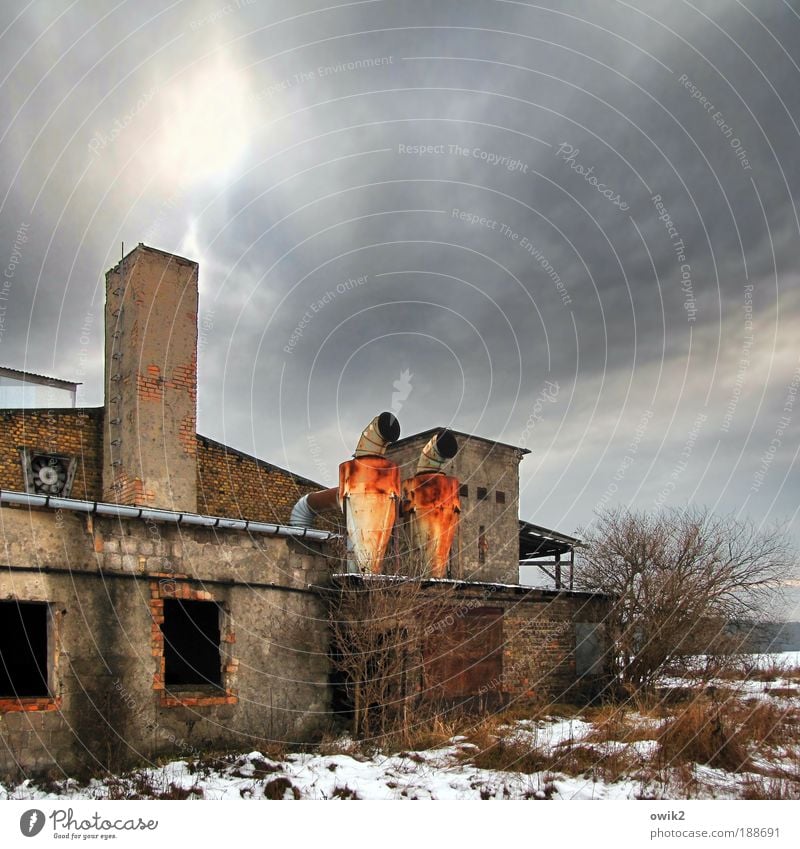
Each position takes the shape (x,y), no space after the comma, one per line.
(150,449)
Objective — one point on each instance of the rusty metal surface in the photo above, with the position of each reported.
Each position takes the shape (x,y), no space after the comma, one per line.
(467,660)
(369,489)
(432,502)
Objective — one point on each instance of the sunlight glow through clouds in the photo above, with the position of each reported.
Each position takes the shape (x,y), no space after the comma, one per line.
(206,125)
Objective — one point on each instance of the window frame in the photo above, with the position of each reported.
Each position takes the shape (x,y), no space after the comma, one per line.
(192,695)
(52,700)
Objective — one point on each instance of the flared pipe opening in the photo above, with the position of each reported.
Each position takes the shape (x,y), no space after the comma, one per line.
(442,447)
(378,435)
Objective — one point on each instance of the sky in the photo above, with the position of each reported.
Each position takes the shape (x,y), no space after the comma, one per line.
(569,226)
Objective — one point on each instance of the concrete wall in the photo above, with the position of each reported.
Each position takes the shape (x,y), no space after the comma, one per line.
(106,581)
(495,467)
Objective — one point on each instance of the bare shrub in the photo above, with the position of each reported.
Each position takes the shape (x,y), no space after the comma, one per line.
(382,627)
(678,578)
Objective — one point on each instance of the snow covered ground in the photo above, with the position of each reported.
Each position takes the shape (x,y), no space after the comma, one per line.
(591,755)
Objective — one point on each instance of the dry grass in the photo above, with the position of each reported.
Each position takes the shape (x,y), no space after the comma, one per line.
(701,733)
(723,734)
(141,785)
(773,788)
(782,692)
(619,723)
(764,723)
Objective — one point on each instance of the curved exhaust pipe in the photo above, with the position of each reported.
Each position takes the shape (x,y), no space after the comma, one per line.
(378,435)
(442,447)
(306,509)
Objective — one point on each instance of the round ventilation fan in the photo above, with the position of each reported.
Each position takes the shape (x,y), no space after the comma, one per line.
(49,475)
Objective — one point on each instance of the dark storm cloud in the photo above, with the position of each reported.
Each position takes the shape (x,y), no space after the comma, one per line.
(301,170)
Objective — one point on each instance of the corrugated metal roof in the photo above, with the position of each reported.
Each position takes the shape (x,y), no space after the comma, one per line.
(39,379)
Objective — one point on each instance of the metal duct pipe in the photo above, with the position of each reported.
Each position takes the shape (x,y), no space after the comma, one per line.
(378,435)
(122,511)
(306,509)
(440,448)
(369,490)
(431,502)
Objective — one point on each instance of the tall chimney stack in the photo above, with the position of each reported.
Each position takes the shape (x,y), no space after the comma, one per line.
(150,448)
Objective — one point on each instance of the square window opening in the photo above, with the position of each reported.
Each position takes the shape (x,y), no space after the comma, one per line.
(192,644)
(463,490)
(24,641)
(500,496)
(481,493)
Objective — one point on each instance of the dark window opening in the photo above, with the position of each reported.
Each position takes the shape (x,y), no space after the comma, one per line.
(463,490)
(23,650)
(500,497)
(483,545)
(191,643)
(481,493)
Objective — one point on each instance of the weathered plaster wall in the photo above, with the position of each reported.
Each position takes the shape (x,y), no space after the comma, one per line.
(108,700)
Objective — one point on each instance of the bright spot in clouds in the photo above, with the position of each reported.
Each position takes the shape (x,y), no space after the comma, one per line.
(205,122)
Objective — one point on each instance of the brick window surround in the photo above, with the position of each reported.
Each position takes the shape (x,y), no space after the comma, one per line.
(49,620)
(168,587)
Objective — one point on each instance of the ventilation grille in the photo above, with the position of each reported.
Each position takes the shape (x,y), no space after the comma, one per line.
(48,474)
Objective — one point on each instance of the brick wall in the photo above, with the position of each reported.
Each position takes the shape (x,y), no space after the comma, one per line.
(74,432)
(231,483)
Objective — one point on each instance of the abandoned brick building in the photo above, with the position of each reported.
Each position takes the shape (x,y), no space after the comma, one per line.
(155,596)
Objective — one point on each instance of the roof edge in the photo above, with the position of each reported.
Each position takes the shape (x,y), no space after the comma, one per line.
(470,436)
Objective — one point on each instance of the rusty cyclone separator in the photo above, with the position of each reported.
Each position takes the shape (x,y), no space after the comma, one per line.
(432,504)
(369,490)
